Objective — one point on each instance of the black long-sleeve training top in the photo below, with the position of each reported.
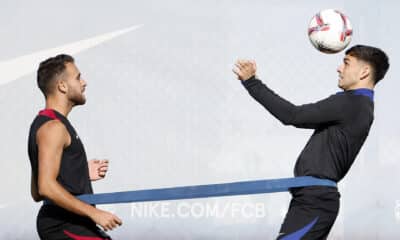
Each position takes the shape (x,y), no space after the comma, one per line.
(341,124)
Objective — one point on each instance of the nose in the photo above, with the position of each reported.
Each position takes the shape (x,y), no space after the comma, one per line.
(84,84)
(339,69)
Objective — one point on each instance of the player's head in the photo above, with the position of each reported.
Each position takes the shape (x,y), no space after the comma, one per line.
(362,66)
(59,75)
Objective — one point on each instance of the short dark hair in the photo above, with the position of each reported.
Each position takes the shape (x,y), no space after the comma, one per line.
(50,69)
(373,56)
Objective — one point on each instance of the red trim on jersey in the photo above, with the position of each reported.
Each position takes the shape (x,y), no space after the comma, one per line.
(77,237)
(49,113)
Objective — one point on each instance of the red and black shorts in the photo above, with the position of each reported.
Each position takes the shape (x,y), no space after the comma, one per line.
(55,223)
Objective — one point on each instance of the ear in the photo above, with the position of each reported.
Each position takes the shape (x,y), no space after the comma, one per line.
(365,72)
(62,86)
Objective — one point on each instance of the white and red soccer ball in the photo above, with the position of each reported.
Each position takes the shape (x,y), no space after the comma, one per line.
(330,31)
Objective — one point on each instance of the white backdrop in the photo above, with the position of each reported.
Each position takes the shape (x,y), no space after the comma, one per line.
(165,108)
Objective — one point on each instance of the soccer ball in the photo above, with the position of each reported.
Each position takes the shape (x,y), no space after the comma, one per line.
(330,31)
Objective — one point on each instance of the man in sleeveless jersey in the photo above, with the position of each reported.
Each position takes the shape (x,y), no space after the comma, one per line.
(60,169)
(341,124)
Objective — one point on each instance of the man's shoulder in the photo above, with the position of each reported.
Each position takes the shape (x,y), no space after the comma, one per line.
(53,130)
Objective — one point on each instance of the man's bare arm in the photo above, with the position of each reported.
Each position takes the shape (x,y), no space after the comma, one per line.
(52,138)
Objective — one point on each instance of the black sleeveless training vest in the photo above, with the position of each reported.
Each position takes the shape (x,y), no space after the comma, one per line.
(74,172)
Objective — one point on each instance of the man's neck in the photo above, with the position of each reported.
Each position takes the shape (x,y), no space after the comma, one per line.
(359,87)
(60,105)
(367,84)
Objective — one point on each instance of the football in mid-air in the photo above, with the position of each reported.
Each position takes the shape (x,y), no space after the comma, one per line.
(330,31)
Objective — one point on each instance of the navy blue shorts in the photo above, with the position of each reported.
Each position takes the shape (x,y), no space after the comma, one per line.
(312,213)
